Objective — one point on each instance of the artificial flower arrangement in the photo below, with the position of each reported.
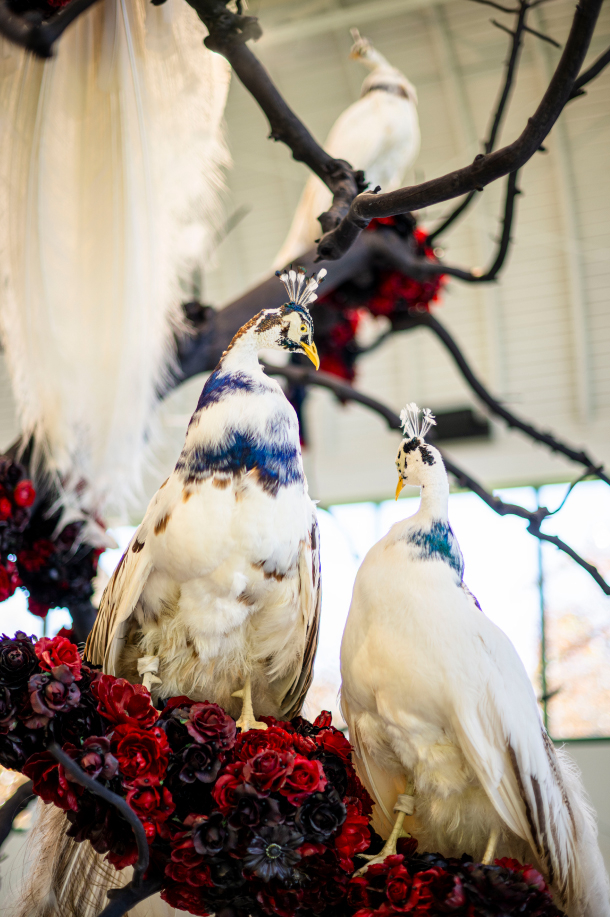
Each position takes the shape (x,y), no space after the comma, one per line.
(53,563)
(261,822)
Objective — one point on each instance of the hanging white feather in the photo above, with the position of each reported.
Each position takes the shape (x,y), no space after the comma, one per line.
(111,161)
(379,134)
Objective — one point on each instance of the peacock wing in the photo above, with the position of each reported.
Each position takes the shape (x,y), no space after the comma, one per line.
(310,600)
(502,737)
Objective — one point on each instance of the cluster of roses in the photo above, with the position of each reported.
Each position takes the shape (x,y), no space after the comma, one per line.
(427,884)
(17,495)
(382,291)
(261,821)
(55,569)
(255,823)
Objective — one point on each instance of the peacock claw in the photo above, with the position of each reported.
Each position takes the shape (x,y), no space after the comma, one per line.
(247,720)
(374,858)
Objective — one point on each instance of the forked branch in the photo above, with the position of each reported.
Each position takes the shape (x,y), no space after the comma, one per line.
(485,168)
(304,376)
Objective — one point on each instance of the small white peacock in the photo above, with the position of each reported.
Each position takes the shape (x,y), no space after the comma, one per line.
(378,134)
(442,714)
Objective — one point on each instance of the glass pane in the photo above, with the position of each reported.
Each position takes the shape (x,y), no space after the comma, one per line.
(577,613)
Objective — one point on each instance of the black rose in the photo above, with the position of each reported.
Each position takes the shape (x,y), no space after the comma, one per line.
(8,708)
(200,762)
(226,874)
(49,696)
(82,720)
(273,852)
(211,835)
(12,752)
(251,810)
(17,660)
(321,815)
(335,772)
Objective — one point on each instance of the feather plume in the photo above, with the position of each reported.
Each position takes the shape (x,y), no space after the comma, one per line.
(302,292)
(411,423)
(111,163)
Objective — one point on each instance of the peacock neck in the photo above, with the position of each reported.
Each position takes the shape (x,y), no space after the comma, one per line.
(434,501)
(242,356)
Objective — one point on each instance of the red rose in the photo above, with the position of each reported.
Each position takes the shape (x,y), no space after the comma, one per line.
(252,742)
(152,804)
(354,838)
(121,702)
(142,756)
(323,720)
(533,878)
(277,900)
(49,780)
(306,778)
(398,887)
(209,723)
(5,509)
(358,892)
(187,866)
(303,744)
(40,609)
(34,559)
(357,791)
(333,741)
(186,899)
(9,580)
(58,655)
(24,493)
(226,785)
(267,771)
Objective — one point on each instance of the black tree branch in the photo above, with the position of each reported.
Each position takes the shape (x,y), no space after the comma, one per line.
(228,34)
(38,35)
(485,168)
(589,74)
(343,391)
(12,807)
(122,899)
(497,408)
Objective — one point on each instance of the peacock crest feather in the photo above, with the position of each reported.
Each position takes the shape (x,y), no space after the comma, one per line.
(412,424)
(302,291)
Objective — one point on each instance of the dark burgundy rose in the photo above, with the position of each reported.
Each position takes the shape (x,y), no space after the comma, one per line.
(24,493)
(8,708)
(35,558)
(49,696)
(82,720)
(200,762)
(210,835)
(325,887)
(398,887)
(186,866)
(226,873)
(142,754)
(57,656)
(357,791)
(276,900)
(306,778)
(18,660)
(96,758)
(121,702)
(321,815)
(335,772)
(209,723)
(251,810)
(108,833)
(226,785)
(50,781)
(12,752)
(273,852)
(183,898)
(6,508)
(268,770)
(358,894)
(9,580)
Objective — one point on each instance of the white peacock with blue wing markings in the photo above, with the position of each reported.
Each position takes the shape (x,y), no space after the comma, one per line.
(218,594)
(443,718)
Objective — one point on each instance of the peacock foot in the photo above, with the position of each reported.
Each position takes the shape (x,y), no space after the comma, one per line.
(247,719)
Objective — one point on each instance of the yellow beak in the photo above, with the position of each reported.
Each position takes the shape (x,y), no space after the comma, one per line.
(312,352)
(399,487)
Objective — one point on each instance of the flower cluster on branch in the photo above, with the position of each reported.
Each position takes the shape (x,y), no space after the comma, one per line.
(247,823)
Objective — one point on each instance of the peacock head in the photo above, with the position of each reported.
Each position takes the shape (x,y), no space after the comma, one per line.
(291,326)
(416,459)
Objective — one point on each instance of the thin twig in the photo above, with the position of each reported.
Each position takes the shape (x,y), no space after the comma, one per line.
(510,69)
(485,169)
(36,34)
(98,789)
(343,391)
(587,75)
(497,408)
(541,35)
